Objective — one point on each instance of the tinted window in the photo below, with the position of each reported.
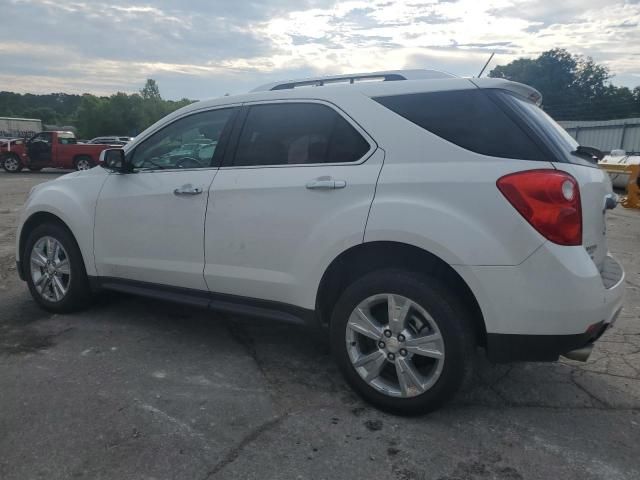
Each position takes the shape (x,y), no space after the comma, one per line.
(44,137)
(468,118)
(546,128)
(189,142)
(297,133)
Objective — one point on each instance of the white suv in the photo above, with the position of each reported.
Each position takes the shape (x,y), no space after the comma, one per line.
(415,214)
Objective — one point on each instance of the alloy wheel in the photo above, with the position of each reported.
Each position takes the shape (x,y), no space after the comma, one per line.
(50,269)
(83,164)
(395,345)
(11,164)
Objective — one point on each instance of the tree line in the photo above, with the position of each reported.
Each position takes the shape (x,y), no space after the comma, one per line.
(573,87)
(93,116)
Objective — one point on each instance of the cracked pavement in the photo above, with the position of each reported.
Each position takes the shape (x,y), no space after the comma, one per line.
(139,389)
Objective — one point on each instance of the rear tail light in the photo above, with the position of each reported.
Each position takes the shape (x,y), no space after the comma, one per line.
(549,200)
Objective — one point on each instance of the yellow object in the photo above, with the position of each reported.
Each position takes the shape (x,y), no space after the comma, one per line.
(632,199)
(633,188)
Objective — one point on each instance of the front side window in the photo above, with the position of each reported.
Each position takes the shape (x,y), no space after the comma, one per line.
(189,142)
(297,134)
(470,119)
(44,137)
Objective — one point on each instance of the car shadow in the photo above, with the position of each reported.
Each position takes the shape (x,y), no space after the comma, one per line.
(299,359)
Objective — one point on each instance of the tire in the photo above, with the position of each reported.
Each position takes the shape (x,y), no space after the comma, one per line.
(72,275)
(433,310)
(83,162)
(11,164)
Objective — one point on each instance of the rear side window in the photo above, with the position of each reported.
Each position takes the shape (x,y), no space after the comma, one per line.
(297,134)
(468,118)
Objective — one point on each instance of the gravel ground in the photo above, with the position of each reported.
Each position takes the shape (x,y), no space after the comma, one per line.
(134,388)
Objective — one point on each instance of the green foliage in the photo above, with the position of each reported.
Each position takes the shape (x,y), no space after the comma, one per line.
(118,114)
(150,91)
(573,87)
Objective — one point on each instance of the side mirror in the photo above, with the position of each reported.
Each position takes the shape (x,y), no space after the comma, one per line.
(115,160)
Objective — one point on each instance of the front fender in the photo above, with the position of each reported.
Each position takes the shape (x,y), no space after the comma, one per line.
(72,198)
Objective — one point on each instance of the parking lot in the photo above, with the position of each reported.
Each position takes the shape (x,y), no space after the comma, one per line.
(136,388)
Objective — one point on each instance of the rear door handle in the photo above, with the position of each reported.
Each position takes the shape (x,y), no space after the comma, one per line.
(326,183)
(187,189)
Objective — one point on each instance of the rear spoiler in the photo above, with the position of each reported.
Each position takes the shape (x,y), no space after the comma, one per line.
(519,89)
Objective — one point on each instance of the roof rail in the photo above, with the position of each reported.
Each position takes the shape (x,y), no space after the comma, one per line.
(386,76)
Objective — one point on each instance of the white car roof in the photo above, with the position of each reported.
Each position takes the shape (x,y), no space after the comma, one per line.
(416,81)
(388,75)
(326,88)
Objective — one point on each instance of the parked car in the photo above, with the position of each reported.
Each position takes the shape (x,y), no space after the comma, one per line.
(415,219)
(48,150)
(112,140)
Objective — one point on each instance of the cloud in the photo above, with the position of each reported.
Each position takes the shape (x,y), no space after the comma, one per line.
(204,48)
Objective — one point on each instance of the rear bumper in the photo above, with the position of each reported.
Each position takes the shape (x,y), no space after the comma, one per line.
(540,348)
(554,302)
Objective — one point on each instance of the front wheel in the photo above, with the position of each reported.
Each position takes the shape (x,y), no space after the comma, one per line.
(55,270)
(84,163)
(11,164)
(402,340)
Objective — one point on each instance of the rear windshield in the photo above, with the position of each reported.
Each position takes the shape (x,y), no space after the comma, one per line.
(66,138)
(488,121)
(470,119)
(545,128)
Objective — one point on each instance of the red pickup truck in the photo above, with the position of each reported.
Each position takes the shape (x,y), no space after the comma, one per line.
(50,150)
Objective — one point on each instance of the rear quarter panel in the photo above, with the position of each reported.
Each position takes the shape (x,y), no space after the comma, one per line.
(443,198)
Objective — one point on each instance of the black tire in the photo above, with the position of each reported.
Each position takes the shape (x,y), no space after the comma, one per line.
(11,163)
(81,161)
(447,312)
(78,294)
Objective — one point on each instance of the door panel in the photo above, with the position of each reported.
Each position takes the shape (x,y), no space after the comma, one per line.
(271,231)
(150,223)
(39,149)
(146,232)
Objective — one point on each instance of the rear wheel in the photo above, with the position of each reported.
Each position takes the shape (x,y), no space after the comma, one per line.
(11,164)
(55,270)
(402,340)
(84,163)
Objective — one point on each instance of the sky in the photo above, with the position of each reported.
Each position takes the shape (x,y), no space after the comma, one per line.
(206,48)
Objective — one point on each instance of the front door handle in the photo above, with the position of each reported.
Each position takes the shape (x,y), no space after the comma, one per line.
(326,183)
(187,189)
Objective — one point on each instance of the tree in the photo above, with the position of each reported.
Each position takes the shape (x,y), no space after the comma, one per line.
(118,114)
(47,114)
(150,91)
(572,86)
(90,116)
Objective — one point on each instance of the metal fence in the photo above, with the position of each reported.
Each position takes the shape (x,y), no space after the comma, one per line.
(606,135)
